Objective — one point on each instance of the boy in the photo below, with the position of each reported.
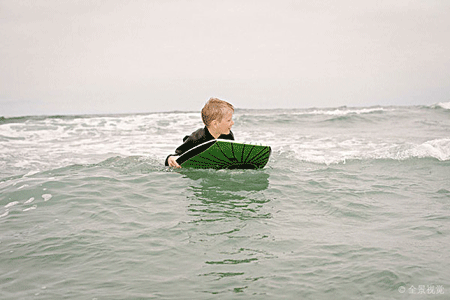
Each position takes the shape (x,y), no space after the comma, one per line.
(217,115)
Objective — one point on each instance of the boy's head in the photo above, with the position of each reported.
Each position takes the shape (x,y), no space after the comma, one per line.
(217,116)
(215,109)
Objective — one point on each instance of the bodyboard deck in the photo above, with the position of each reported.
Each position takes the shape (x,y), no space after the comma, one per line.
(225,154)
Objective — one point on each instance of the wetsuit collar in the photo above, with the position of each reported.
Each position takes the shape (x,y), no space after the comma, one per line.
(208,134)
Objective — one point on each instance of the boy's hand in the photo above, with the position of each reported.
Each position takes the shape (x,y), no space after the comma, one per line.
(173,162)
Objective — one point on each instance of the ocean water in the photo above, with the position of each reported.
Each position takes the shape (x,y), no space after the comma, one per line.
(353,204)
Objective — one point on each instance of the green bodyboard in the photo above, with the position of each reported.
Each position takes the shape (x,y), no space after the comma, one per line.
(225,154)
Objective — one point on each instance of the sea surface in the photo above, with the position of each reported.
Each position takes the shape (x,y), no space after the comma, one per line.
(353,204)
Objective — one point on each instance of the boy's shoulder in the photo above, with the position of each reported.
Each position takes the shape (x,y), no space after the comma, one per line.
(196,135)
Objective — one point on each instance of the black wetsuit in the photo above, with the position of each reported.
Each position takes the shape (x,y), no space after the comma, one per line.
(196,138)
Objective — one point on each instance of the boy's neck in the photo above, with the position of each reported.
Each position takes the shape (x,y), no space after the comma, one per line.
(211,132)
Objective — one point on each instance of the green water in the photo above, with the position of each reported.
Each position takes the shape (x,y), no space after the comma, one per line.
(123,229)
(353,204)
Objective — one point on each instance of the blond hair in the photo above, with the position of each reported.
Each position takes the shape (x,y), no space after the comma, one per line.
(215,109)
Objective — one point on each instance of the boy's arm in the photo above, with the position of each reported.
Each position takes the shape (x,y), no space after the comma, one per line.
(171,158)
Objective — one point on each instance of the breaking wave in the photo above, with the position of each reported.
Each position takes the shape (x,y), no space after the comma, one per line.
(329,151)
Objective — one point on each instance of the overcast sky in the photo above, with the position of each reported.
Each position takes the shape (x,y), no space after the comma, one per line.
(111,56)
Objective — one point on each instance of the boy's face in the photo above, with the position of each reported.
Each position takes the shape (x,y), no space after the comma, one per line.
(224,126)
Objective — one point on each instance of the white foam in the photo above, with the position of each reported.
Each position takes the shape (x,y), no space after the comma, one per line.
(341,112)
(30,208)
(331,150)
(439,149)
(444,105)
(46,197)
(4,214)
(29,200)
(48,143)
(30,173)
(10,204)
